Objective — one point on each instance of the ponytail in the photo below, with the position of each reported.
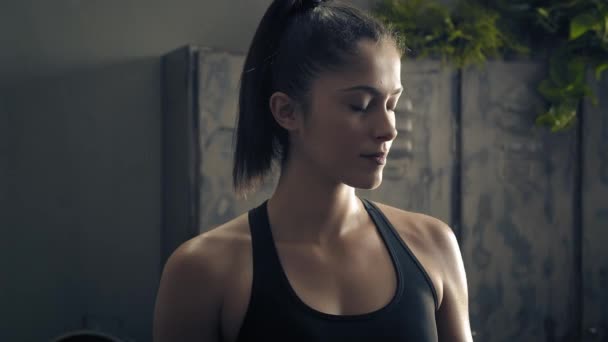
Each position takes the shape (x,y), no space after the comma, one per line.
(295,40)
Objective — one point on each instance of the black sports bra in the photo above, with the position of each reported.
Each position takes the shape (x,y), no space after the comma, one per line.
(276,313)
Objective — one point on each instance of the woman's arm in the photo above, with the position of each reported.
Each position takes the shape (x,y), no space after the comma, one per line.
(189,297)
(453,316)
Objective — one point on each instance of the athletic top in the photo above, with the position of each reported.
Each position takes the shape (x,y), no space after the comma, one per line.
(276,313)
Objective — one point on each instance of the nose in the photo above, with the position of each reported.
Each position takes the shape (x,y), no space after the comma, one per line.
(385,127)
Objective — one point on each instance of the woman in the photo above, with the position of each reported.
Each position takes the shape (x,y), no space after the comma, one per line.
(315,262)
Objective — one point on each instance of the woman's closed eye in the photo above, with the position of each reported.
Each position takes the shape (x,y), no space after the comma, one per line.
(357,108)
(361,105)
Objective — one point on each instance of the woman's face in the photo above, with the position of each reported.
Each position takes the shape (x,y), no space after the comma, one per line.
(351,116)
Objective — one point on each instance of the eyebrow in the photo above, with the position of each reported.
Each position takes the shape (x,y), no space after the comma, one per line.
(371,90)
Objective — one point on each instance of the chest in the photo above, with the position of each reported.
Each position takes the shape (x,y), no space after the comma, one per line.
(356,278)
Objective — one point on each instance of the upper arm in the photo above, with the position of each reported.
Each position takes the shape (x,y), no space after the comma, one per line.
(453,315)
(189,298)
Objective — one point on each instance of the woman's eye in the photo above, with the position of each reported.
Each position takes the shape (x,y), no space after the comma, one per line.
(358,108)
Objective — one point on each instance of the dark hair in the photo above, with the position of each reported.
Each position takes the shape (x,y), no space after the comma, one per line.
(295,40)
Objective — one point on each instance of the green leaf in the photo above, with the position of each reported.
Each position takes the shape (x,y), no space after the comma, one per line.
(543,12)
(583,23)
(565,114)
(559,117)
(599,69)
(549,90)
(546,119)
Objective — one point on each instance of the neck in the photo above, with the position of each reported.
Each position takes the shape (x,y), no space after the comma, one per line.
(308,208)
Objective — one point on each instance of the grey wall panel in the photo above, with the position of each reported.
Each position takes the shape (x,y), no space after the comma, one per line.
(6,160)
(218,82)
(418,174)
(178,150)
(595,216)
(83,236)
(519,244)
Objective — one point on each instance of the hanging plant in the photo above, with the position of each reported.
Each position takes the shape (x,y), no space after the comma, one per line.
(573,32)
(466,35)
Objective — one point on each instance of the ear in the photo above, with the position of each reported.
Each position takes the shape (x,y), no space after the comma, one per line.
(284,110)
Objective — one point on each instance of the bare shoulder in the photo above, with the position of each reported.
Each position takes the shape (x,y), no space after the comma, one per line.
(426,229)
(215,249)
(208,257)
(191,290)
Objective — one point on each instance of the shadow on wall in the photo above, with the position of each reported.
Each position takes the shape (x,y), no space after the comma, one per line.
(81,234)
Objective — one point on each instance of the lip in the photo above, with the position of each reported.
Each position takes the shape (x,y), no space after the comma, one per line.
(377,158)
(377,154)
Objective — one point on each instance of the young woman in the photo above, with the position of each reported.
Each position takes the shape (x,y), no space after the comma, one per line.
(315,262)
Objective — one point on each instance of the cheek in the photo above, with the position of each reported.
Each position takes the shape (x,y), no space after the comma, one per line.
(339,138)
(334,134)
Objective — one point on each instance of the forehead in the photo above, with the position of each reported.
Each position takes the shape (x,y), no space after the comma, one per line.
(376,64)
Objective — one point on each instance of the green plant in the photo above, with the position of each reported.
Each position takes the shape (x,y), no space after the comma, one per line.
(585,44)
(573,32)
(467,35)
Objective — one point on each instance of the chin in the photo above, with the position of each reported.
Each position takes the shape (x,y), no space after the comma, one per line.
(366,183)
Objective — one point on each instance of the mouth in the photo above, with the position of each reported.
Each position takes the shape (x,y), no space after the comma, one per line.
(377,158)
